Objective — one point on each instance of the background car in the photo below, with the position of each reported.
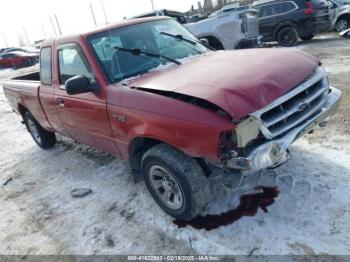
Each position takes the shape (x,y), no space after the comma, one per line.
(340,15)
(285,21)
(18,59)
(178,16)
(230,8)
(21,49)
(3,50)
(197,18)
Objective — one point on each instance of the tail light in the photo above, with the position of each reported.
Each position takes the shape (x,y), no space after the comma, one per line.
(310,10)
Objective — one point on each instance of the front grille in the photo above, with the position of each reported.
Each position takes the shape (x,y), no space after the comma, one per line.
(294,108)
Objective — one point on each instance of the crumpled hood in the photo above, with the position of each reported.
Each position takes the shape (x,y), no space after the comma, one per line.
(240,82)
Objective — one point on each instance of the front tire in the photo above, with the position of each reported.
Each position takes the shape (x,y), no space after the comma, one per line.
(42,137)
(175,181)
(342,24)
(287,36)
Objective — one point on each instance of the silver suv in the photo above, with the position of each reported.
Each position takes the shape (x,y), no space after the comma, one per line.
(340,15)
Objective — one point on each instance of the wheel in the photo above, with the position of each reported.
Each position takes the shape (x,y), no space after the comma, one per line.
(307,38)
(342,24)
(175,181)
(287,36)
(42,137)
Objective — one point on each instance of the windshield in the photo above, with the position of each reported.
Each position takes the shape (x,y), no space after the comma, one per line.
(167,38)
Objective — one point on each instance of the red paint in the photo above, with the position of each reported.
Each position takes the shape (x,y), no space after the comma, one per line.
(248,206)
(18,59)
(240,82)
(310,10)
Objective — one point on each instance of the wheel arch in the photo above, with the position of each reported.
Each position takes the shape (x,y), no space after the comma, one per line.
(137,148)
(214,41)
(140,145)
(344,16)
(21,109)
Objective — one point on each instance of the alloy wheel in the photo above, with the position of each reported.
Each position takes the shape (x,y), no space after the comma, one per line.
(342,25)
(166,187)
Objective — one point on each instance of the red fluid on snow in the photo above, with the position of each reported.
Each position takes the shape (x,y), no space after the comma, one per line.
(249,205)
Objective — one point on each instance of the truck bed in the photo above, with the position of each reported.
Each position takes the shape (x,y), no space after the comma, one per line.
(22,93)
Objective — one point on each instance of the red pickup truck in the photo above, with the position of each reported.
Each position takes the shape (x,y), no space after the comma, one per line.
(148,91)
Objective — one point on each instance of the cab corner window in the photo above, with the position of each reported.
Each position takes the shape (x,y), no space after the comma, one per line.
(72,62)
(45,66)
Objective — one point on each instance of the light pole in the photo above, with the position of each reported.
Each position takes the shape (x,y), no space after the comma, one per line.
(93,14)
(104,11)
(58,25)
(152,3)
(53,26)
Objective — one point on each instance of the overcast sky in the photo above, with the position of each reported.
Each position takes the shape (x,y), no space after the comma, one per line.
(33,16)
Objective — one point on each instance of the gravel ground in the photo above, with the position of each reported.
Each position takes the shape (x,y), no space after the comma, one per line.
(311,214)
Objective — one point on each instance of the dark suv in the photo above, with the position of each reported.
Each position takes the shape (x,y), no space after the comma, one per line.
(286,20)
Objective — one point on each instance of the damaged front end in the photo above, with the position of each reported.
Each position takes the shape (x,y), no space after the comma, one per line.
(265,136)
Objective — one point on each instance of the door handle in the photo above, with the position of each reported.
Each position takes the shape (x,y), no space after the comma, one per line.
(60,101)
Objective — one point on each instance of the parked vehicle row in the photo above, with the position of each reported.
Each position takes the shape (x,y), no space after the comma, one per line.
(224,31)
(152,93)
(16,59)
(285,21)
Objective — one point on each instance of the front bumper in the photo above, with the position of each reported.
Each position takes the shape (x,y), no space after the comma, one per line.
(275,152)
(314,27)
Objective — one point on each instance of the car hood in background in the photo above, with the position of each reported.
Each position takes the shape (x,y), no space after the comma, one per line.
(240,82)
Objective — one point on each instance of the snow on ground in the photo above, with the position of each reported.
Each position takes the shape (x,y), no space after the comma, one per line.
(39,216)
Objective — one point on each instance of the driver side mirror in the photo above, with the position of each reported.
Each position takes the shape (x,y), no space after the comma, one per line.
(81,84)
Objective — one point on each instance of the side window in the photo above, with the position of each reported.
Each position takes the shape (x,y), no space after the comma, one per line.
(45,66)
(288,6)
(72,62)
(276,9)
(266,11)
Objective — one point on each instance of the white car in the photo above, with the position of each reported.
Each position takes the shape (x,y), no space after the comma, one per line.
(229,8)
(229,30)
(340,15)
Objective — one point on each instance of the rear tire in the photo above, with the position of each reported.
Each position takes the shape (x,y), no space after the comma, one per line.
(175,181)
(287,36)
(42,137)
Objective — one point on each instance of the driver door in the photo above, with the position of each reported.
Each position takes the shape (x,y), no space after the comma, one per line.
(84,116)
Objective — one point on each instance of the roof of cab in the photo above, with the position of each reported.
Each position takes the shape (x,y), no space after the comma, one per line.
(123,23)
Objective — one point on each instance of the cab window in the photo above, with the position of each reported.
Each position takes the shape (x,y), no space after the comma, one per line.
(72,62)
(45,66)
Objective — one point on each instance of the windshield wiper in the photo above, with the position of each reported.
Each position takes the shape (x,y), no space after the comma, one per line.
(139,52)
(180,37)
